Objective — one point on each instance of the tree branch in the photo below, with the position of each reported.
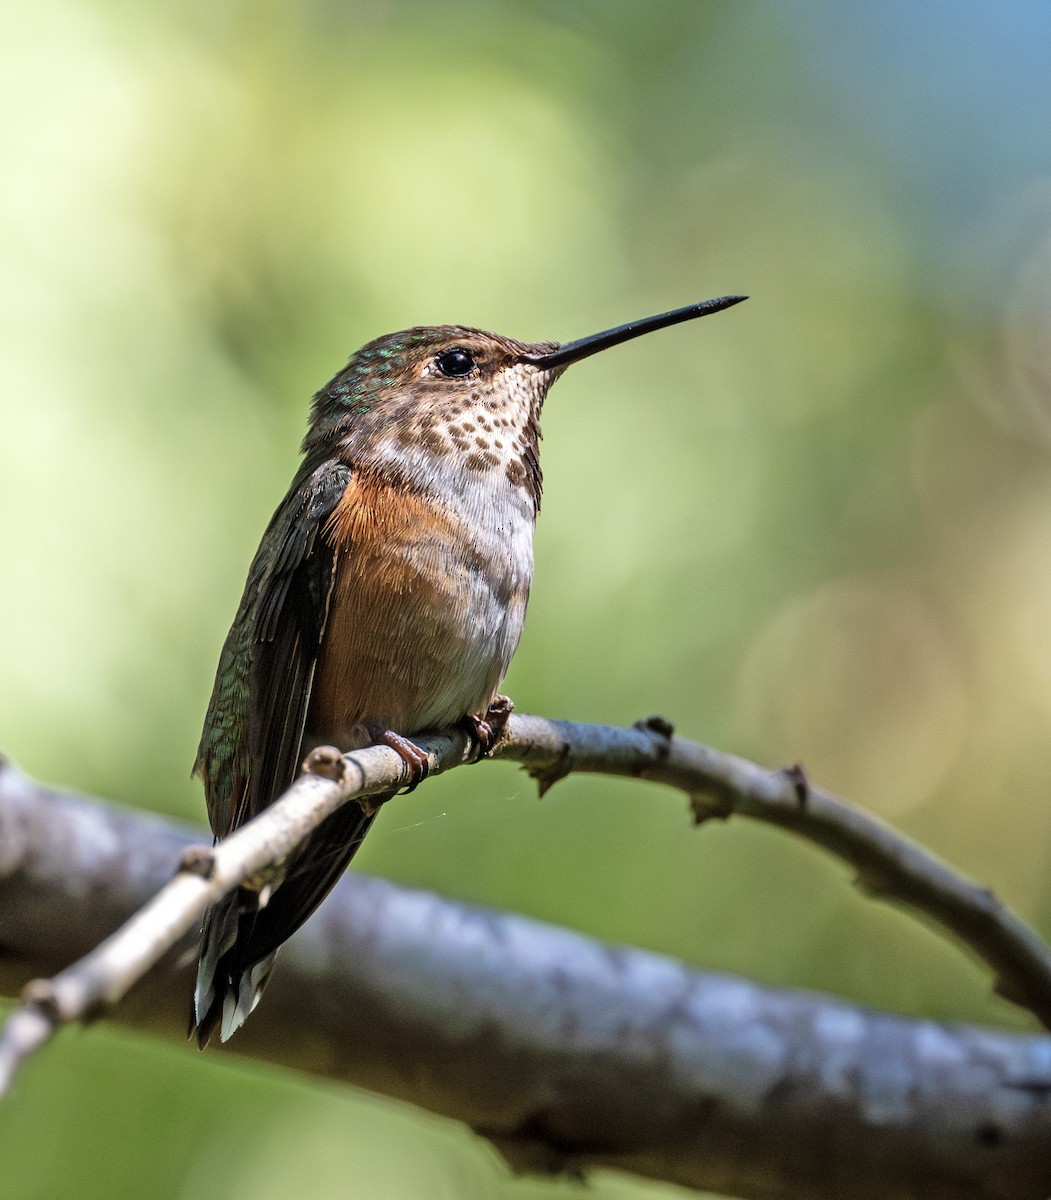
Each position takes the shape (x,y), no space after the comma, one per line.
(888,865)
(563,1051)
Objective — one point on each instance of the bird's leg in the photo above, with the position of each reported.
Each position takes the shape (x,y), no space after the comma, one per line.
(485,731)
(410,754)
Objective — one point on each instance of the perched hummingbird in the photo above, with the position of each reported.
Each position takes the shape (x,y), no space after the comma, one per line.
(386,598)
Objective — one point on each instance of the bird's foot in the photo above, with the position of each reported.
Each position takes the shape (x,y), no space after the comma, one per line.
(485,731)
(416,762)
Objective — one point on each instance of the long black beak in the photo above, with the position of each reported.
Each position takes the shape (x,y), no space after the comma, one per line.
(573,351)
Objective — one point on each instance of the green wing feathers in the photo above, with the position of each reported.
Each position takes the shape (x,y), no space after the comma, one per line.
(253,730)
(251,746)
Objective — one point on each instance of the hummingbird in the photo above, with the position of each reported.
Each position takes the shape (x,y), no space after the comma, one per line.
(386,599)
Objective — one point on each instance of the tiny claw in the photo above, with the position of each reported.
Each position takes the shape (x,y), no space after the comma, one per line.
(481,734)
(416,761)
(498,714)
(485,731)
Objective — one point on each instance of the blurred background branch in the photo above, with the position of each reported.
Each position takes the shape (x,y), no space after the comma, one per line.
(566,1053)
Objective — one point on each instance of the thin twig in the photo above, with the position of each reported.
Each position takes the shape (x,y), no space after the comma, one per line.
(719,784)
(888,865)
(205,875)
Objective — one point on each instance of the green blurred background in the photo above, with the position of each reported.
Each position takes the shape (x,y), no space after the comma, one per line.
(817,527)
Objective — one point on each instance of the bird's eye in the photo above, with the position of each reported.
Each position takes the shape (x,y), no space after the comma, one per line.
(455,363)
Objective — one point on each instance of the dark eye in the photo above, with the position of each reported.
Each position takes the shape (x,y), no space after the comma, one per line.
(455,363)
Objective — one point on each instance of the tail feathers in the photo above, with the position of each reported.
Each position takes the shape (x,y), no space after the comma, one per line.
(237,1005)
(241,939)
(226,991)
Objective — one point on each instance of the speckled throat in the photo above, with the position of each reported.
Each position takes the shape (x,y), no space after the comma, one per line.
(392,409)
